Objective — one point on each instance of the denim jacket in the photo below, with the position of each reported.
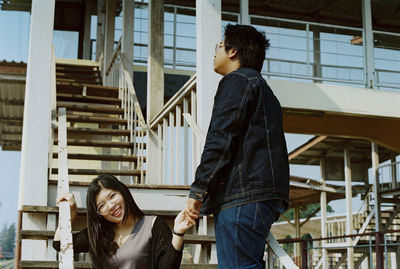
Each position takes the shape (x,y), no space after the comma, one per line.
(245,156)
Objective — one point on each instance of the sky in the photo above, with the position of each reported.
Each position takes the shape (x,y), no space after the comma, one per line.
(14,33)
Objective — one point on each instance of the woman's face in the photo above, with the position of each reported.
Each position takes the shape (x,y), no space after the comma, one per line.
(111,205)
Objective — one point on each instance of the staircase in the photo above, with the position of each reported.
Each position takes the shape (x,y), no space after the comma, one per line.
(100,142)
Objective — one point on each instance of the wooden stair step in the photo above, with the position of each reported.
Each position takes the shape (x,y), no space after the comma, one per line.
(82,211)
(97,143)
(94,119)
(77,76)
(88,99)
(51,264)
(85,265)
(91,71)
(187,239)
(87,172)
(97,157)
(98,131)
(93,109)
(91,89)
(78,81)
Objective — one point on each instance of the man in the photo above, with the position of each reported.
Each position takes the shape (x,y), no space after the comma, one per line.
(243,176)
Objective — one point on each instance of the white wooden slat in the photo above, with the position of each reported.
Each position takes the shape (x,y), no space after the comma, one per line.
(171,179)
(66,247)
(185,144)
(178,143)
(51,226)
(195,162)
(164,140)
(159,154)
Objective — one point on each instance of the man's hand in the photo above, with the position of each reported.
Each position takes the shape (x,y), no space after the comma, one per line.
(193,208)
(70,198)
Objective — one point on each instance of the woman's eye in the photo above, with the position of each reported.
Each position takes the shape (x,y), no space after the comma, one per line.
(112,195)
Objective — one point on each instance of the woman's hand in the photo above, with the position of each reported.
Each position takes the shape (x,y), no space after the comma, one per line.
(183,222)
(70,198)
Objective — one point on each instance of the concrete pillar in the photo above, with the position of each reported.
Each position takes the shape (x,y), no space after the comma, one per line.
(368,44)
(100,30)
(155,82)
(33,185)
(109,35)
(86,31)
(349,208)
(128,10)
(323,202)
(244,17)
(208,33)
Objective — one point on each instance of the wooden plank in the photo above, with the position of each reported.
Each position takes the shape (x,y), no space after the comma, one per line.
(66,247)
(51,264)
(88,99)
(284,258)
(97,143)
(306,146)
(94,119)
(93,108)
(117,158)
(133,172)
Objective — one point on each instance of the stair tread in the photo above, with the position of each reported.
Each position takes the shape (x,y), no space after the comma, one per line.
(96,119)
(98,131)
(95,109)
(87,99)
(84,265)
(91,89)
(97,143)
(74,171)
(81,156)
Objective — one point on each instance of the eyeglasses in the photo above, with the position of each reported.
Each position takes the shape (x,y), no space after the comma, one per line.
(103,208)
(218,46)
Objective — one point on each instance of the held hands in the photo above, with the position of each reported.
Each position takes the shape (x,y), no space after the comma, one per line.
(183,222)
(193,208)
(70,198)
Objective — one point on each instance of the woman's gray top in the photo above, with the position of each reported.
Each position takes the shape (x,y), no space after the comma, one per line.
(134,253)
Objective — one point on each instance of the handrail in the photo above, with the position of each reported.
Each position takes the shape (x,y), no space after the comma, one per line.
(176,99)
(114,56)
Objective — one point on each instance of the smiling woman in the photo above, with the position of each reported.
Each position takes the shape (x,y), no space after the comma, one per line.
(119,235)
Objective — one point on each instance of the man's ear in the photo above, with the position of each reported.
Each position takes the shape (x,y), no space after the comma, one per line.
(232,53)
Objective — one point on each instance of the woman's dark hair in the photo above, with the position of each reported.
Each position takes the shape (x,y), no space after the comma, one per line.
(100,231)
(249,43)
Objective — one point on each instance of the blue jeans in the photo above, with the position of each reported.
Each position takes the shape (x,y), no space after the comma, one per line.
(241,233)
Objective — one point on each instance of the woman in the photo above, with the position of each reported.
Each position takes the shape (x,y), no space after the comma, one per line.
(119,235)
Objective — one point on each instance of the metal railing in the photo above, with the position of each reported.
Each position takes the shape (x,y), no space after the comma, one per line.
(117,75)
(389,178)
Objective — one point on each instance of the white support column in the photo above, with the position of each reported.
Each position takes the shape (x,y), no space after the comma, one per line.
(208,33)
(109,35)
(349,208)
(375,183)
(37,125)
(155,81)
(86,31)
(297,234)
(244,17)
(368,44)
(100,30)
(128,9)
(324,253)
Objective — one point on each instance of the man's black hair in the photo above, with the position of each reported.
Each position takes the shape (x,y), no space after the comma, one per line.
(249,43)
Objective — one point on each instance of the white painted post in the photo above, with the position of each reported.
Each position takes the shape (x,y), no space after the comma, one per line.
(86,31)
(37,126)
(155,84)
(375,182)
(109,35)
(349,208)
(208,33)
(368,44)
(297,233)
(128,9)
(100,31)
(244,17)
(324,253)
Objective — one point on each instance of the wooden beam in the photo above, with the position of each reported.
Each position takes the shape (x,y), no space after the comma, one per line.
(306,146)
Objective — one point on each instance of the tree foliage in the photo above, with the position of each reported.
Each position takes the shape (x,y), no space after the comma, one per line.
(7,238)
(305,212)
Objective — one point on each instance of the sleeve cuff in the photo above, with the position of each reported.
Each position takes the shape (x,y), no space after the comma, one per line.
(197,193)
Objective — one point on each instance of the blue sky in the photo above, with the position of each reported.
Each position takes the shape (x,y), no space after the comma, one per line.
(14,30)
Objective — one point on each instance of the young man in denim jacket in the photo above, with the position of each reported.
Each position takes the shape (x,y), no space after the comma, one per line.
(243,176)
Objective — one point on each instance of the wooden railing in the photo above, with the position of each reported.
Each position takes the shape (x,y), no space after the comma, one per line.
(117,75)
(176,144)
